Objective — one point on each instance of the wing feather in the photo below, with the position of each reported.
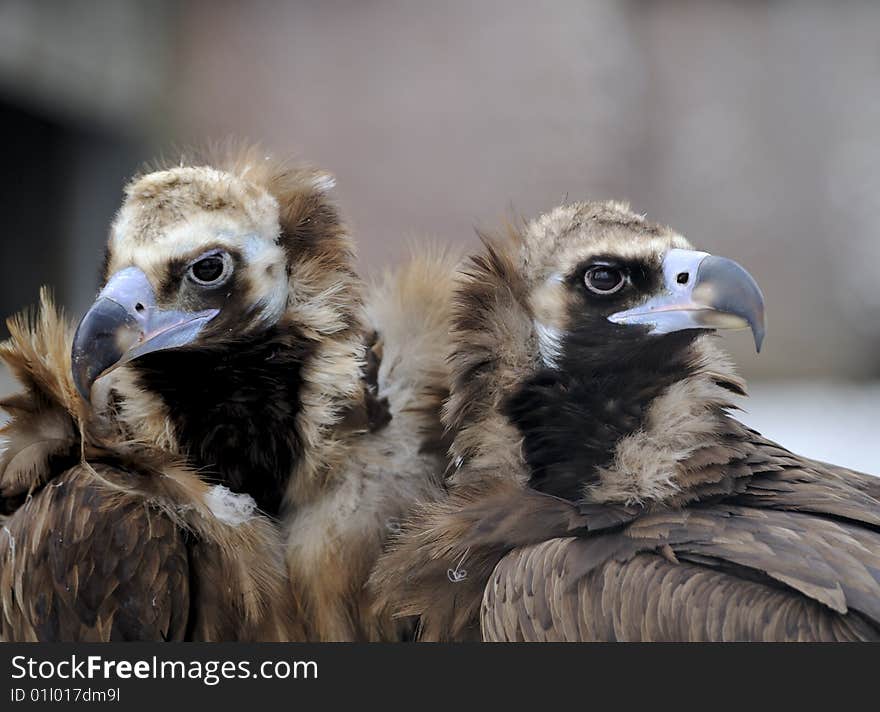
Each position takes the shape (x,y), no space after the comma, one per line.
(734,573)
(78,564)
(781,480)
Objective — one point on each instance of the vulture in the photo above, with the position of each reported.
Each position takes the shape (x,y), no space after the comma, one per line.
(222,446)
(603,489)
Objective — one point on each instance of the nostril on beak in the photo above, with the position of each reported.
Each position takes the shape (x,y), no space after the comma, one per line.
(683,277)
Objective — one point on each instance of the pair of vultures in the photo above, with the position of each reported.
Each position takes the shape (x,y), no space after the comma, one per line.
(240,441)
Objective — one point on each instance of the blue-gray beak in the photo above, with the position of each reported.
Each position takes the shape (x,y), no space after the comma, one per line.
(123,324)
(701,291)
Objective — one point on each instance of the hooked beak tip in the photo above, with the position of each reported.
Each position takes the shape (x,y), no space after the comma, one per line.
(720,295)
(732,290)
(99,343)
(758,333)
(124,324)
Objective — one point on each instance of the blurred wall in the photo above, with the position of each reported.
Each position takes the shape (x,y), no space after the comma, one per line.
(753,128)
(83,85)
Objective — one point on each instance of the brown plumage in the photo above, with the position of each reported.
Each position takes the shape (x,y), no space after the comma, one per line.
(108,539)
(373,475)
(248,430)
(604,490)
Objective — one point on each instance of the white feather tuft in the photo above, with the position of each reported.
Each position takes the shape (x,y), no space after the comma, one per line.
(324,183)
(229,507)
(549,344)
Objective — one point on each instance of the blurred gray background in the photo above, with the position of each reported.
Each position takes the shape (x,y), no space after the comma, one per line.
(752,127)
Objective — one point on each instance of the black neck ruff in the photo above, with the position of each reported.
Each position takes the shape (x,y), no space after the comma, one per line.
(234,409)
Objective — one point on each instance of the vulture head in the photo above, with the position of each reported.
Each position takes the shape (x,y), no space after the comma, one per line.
(605,284)
(571,335)
(227,324)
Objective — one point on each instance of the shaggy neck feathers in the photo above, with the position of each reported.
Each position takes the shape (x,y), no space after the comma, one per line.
(572,418)
(616,419)
(235,409)
(634,431)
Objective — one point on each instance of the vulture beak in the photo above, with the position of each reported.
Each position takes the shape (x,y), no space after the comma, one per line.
(123,324)
(701,291)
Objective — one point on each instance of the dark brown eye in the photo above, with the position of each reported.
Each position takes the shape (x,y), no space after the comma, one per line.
(210,270)
(604,279)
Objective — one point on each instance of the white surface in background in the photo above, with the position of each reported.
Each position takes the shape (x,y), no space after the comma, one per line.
(833,422)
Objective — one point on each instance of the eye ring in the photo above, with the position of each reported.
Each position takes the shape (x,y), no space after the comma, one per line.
(604,279)
(210,270)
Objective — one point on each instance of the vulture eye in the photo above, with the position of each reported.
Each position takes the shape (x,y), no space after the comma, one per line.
(210,270)
(604,279)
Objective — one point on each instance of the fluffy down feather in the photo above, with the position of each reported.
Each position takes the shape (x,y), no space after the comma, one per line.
(392,459)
